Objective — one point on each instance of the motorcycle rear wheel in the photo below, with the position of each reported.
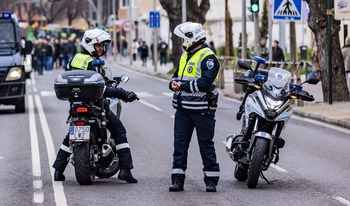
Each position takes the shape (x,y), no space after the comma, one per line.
(256,162)
(241,174)
(84,174)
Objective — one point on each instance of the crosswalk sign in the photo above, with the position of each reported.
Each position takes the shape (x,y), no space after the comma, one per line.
(287,10)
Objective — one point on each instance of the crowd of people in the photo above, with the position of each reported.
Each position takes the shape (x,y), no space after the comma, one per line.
(48,54)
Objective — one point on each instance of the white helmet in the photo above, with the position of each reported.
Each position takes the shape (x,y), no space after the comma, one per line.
(192,33)
(92,37)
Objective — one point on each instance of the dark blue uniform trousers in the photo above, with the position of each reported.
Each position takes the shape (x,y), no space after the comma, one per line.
(204,122)
(118,133)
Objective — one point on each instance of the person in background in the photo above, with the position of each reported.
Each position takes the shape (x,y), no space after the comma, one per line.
(66,51)
(39,56)
(124,46)
(264,52)
(144,54)
(57,60)
(277,52)
(212,47)
(78,46)
(48,55)
(163,48)
(134,47)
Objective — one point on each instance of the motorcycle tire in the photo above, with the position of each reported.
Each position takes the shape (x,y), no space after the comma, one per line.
(256,162)
(84,174)
(241,174)
(108,172)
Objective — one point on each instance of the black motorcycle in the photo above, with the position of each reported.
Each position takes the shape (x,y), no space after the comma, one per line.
(93,149)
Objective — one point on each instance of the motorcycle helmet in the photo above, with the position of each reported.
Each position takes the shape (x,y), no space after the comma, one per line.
(192,34)
(92,37)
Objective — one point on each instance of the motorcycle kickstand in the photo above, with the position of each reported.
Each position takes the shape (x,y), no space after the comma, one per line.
(268,182)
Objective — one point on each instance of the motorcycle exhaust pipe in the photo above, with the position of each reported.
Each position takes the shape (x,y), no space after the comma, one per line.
(106,150)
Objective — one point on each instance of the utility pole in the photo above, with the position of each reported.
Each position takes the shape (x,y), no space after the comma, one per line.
(130,38)
(293,42)
(244,30)
(282,37)
(99,16)
(114,31)
(184,15)
(256,33)
(155,45)
(270,30)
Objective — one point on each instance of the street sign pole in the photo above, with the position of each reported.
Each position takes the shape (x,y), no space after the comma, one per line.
(244,31)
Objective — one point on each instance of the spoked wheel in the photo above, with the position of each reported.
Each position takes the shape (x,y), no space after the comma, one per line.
(84,173)
(256,162)
(110,171)
(241,174)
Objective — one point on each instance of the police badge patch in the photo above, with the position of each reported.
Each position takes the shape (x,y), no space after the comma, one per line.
(189,69)
(210,64)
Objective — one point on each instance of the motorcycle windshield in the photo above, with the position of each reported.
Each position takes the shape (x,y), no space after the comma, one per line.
(278,81)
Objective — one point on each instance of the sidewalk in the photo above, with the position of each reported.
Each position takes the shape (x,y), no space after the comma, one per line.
(336,114)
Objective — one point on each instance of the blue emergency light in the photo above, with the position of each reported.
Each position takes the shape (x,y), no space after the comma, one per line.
(6,15)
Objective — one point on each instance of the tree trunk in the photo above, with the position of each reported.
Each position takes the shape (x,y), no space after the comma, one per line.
(194,12)
(293,42)
(318,24)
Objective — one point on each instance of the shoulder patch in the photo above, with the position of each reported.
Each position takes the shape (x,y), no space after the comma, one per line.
(210,64)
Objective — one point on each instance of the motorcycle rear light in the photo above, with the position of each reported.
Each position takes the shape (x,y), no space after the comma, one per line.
(82,109)
(80,123)
(293,97)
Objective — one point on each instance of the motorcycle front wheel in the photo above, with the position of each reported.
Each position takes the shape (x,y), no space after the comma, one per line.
(256,162)
(84,173)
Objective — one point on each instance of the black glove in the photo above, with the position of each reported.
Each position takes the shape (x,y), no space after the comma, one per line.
(130,97)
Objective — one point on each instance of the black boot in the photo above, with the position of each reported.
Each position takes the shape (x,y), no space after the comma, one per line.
(176,187)
(59,176)
(211,187)
(125,174)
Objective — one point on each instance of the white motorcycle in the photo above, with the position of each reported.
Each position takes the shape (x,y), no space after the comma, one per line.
(266,109)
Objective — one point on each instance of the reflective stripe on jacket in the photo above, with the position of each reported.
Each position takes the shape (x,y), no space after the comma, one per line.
(190,71)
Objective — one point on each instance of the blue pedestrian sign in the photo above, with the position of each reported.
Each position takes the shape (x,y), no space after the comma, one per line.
(154,19)
(287,10)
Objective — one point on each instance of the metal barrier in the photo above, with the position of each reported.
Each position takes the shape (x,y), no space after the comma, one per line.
(293,67)
(225,63)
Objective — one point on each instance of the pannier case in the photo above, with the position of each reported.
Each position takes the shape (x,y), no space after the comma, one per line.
(84,85)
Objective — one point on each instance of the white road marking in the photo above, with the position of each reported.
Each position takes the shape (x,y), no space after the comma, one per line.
(34,139)
(144,94)
(172,116)
(47,93)
(38,197)
(342,200)
(280,169)
(169,94)
(35,89)
(150,105)
(37,184)
(59,195)
(2,157)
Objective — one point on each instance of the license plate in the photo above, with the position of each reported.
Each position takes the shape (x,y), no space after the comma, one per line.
(79,133)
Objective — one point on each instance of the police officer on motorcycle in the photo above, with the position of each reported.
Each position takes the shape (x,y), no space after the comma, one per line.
(195,100)
(93,47)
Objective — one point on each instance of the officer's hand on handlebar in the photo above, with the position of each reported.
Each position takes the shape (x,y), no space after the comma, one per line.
(130,97)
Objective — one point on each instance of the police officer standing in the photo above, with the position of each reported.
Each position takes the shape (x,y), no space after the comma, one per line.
(92,48)
(195,100)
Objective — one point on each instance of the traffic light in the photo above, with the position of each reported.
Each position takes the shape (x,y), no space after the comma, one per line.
(254,5)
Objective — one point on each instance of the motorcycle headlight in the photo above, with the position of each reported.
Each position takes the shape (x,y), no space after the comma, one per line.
(272,104)
(15,73)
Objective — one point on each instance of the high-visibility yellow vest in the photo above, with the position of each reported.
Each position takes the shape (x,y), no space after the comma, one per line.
(192,69)
(81,61)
